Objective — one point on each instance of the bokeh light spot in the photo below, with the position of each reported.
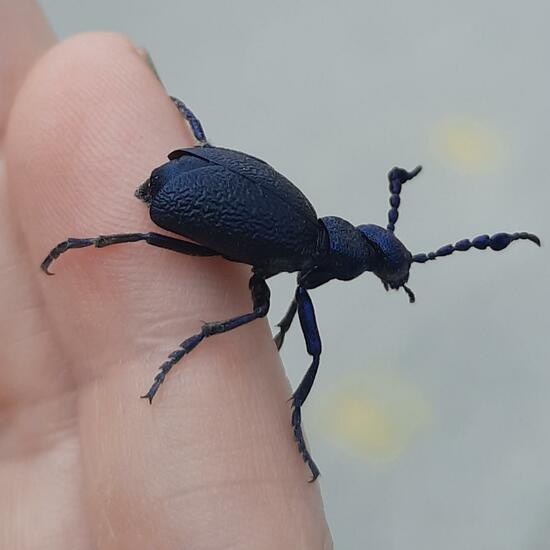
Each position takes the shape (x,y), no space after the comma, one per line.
(375,415)
(469,144)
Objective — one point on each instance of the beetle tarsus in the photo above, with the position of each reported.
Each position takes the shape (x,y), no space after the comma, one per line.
(149,395)
(301,443)
(260,296)
(192,120)
(45,265)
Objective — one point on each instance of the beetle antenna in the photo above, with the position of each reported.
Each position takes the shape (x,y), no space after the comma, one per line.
(397,177)
(499,241)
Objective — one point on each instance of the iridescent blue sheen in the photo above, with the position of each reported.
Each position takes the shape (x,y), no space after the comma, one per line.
(237,206)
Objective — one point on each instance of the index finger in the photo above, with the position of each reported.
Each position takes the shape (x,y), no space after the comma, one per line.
(212,463)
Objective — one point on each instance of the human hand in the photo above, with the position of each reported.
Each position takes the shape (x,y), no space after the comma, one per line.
(85,463)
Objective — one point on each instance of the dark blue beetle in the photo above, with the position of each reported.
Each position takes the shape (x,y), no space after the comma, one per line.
(238,207)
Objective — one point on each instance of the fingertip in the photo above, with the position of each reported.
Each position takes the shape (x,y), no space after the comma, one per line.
(89,124)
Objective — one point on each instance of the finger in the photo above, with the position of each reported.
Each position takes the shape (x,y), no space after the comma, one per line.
(24,36)
(212,463)
(38,466)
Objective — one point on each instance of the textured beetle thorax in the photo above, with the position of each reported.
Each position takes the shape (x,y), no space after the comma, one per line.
(349,253)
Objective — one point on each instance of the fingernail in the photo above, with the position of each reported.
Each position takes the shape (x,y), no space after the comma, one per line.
(145,54)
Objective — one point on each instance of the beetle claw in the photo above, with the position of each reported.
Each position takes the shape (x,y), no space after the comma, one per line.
(147,396)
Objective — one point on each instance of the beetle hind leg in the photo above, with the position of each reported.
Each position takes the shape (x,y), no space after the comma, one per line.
(154,239)
(260,297)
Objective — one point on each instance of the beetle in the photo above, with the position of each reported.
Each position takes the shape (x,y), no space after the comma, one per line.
(238,207)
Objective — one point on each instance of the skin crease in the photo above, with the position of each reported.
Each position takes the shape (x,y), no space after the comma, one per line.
(84,463)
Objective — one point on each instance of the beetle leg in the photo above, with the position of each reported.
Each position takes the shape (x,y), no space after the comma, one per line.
(260,298)
(284,324)
(308,323)
(192,120)
(155,239)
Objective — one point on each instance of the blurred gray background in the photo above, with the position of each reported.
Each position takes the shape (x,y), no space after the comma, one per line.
(431,423)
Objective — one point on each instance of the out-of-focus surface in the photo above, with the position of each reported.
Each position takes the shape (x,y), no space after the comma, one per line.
(431,422)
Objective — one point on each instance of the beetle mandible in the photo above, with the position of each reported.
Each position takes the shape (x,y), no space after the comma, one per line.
(238,207)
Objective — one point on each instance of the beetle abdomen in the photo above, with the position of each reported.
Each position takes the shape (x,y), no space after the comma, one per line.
(246,211)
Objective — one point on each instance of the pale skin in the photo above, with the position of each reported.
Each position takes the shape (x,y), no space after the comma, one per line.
(85,463)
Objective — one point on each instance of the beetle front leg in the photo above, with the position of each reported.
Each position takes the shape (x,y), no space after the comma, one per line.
(308,323)
(260,298)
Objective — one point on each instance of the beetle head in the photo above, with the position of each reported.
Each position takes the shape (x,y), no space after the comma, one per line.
(394,259)
(354,250)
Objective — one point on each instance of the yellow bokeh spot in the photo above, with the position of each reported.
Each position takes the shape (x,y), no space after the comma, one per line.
(469,144)
(374,416)
(366,425)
